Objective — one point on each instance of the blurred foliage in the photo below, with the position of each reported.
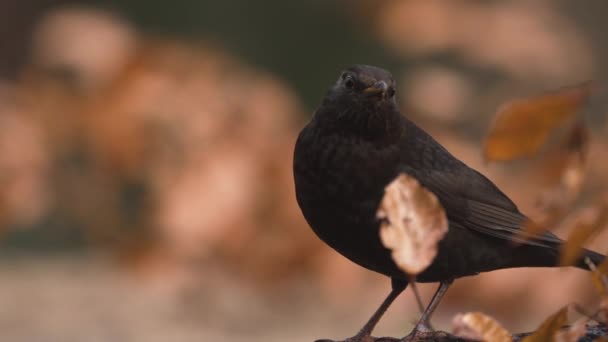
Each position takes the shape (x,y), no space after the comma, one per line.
(306,42)
(549,327)
(151,145)
(160,137)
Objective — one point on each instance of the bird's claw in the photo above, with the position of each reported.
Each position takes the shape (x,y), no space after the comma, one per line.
(423,327)
(421,331)
(364,338)
(356,338)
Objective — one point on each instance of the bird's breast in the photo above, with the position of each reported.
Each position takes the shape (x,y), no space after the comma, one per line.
(340,180)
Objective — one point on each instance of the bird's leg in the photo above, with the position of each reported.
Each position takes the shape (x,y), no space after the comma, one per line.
(365,333)
(424,322)
(397,287)
(423,325)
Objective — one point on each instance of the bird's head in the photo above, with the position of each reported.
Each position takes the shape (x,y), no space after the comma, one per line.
(364,85)
(363,97)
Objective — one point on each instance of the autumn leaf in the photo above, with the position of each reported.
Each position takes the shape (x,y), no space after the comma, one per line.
(531,229)
(566,168)
(590,222)
(599,275)
(547,330)
(413,222)
(523,125)
(569,166)
(574,332)
(603,310)
(477,326)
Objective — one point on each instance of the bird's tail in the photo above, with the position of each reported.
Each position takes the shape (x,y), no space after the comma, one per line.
(594,257)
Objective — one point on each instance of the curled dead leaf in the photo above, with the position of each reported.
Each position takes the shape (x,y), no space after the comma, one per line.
(523,125)
(550,220)
(599,276)
(477,326)
(574,332)
(589,223)
(413,223)
(603,310)
(547,330)
(565,167)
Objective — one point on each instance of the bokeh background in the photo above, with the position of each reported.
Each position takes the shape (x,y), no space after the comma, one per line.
(145,158)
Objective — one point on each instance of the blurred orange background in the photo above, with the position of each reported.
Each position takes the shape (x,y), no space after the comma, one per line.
(145,159)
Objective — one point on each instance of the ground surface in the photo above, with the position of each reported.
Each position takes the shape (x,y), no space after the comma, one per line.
(48,299)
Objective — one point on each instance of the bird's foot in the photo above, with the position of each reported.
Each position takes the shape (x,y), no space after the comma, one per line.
(423,327)
(421,331)
(436,336)
(364,338)
(360,337)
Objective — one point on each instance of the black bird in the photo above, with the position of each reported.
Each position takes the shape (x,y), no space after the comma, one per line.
(356,143)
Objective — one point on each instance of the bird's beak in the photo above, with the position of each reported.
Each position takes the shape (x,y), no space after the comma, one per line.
(379,88)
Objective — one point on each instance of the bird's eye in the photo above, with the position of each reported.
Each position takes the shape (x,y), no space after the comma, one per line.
(391,92)
(349,83)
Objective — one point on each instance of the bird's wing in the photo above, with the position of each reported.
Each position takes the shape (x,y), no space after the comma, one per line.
(473,201)
(498,222)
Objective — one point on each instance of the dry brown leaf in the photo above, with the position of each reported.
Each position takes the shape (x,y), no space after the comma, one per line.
(569,166)
(477,326)
(589,223)
(413,223)
(523,125)
(565,166)
(602,314)
(551,219)
(574,332)
(552,216)
(547,330)
(599,275)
